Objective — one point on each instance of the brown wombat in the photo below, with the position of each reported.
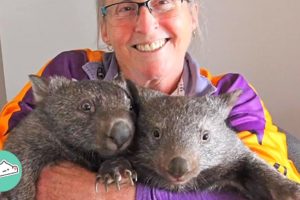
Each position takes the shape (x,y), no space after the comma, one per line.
(83,122)
(184,143)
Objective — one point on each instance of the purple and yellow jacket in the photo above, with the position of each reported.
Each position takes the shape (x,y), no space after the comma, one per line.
(249,117)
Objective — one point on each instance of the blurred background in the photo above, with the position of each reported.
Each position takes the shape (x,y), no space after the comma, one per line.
(259,39)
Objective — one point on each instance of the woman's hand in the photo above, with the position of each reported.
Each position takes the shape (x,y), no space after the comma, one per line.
(70,181)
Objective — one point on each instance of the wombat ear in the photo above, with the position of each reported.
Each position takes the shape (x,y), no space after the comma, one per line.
(229,100)
(146,94)
(141,95)
(40,87)
(136,91)
(120,80)
(127,85)
(56,82)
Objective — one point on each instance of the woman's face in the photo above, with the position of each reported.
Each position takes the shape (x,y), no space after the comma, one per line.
(151,47)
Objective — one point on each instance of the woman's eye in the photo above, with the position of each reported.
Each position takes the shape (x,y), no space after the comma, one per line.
(163,2)
(156,133)
(87,106)
(126,8)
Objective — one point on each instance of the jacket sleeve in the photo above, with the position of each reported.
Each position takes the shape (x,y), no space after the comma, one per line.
(66,64)
(250,118)
(147,193)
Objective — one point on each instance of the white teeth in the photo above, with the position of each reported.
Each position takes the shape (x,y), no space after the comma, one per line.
(151,46)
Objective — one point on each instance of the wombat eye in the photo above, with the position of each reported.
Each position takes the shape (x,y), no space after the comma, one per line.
(205,136)
(87,106)
(156,133)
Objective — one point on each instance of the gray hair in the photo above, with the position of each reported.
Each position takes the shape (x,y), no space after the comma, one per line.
(99,4)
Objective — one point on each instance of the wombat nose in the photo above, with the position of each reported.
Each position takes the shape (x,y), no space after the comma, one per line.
(178,167)
(120,133)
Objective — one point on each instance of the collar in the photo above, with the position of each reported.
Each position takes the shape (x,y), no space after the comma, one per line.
(192,83)
(106,70)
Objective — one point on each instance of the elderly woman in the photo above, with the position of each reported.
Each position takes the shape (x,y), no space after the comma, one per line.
(149,42)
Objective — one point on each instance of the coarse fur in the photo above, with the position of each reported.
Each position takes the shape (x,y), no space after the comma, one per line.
(84,122)
(184,143)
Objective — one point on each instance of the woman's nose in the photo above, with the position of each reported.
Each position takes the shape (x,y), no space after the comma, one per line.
(145,21)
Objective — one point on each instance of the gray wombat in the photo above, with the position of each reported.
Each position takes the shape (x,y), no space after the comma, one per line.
(184,143)
(83,122)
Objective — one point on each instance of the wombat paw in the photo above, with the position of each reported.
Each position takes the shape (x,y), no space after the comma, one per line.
(118,171)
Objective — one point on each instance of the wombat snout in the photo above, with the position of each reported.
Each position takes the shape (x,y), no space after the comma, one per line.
(120,133)
(178,167)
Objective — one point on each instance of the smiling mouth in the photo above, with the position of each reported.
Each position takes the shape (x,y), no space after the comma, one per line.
(151,46)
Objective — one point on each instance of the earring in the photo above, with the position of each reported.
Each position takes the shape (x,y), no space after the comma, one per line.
(194,33)
(109,48)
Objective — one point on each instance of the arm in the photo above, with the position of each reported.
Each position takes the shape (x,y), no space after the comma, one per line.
(252,120)
(70,181)
(66,64)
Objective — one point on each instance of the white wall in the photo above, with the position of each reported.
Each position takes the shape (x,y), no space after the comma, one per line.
(2,82)
(260,39)
(34,31)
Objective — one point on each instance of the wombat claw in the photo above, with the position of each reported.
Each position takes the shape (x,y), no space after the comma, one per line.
(132,176)
(115,170)
(107,179)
